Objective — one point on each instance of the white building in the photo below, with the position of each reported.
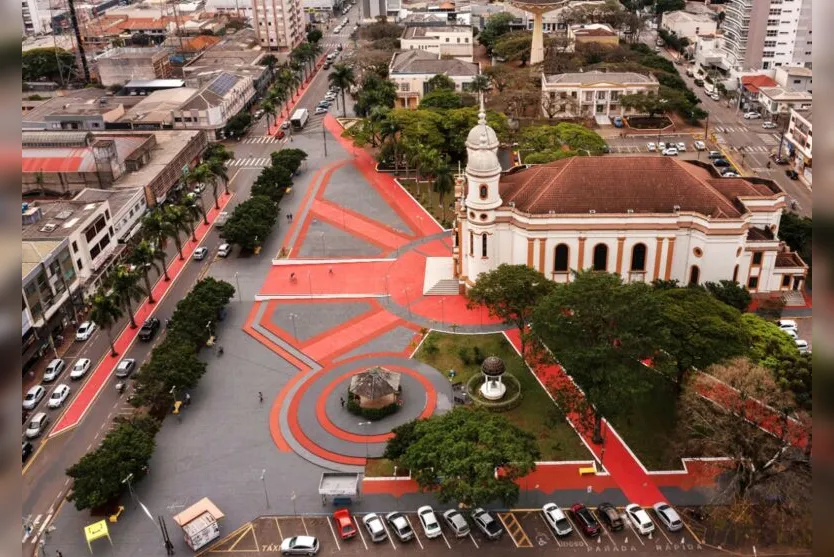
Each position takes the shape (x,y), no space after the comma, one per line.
(592,93)
(795,78)
(644,218)
(36,17)
(279,24)
(777,101)
(411,71)
(447,40)
(128,206)
(688,25)
(765,34)
(800,137)
(237,8)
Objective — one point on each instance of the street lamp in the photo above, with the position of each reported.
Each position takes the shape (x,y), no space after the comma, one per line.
(364,424)
(263,481)
(130,487)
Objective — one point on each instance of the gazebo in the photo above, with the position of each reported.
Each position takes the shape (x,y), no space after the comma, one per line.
(493,370)
(376,387)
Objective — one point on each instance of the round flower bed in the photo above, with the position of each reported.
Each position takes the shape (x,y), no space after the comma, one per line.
(372,414)
(512,398)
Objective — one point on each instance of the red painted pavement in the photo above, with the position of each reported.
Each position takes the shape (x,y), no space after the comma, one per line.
(98,378)
(345,337)
(358,225)
(366,277)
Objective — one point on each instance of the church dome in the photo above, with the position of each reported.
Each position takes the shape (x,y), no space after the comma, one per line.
(482,162)
(482,136)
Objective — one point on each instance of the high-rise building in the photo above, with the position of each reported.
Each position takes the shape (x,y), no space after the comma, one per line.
(279,24)
(764,34)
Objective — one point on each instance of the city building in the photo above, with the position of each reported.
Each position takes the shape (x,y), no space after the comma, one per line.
(239,54)
(61,163)
(778,101)
(795,78)
(127,206)
(799,138)
(751,86)
(598,33)
(279,24)
(764,34)
(80,109)
(644,218)
(689,25)
(592,93)
(36,17)
(372,9)
(325,6)
(411,71)
(447,40)
(237,8)
(120,65)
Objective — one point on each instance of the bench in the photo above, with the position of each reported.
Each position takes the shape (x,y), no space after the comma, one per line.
(589,470)
(342,501)
(115,517)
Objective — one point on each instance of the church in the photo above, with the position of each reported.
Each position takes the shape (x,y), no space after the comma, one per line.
(644,218)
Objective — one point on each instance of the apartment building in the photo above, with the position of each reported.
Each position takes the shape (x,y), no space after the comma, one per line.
(688,25)
(592,93)
(800,140)
(448,40)
(765,34)
(279,24)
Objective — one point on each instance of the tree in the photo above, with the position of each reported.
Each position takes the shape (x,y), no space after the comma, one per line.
(268,106)
(98,478)
(155,230)
(173,366)
(105,311)
(457,454)
(238,124)
(648,103)
(202,174)
(272,182)
(314,36)
(440,82)
(480,84)
(499,75)
(342,76)
(797,231)
(290,159)
(444,182)
(440,98)
(126,289)
(663,6)
(270,61)
(560,138)
(375,92)
(215,157)
(144,256)
(389,132)
(496,26)
(46,64)
(699,331)
(176,221)
(769,345)
(731,293)
(514,46)
(600,329)
(511,293)
(250,222)
(768,484)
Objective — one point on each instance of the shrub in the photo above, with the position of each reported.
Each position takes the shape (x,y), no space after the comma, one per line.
(372,414)
(479,356)
(463,354)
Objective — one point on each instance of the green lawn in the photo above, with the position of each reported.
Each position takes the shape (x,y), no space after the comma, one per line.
(537,412)
(379,467)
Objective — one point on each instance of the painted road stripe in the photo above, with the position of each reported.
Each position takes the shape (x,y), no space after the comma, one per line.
(604,529)
(513,528)
(416,537)
(361,536)
(473,540)
(332,531)
(387,533)
(278,525)
(445,540)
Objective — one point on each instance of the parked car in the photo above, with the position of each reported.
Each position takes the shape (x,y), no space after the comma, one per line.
(610,516)
(751,115)
(661,146)
(199,188)
(456,523)
(487,524)
(639,519)
(787,324)
(720,162)
(85,330)
(149,329)
(285,125)
(651,147)
(344,523)
(280,134)
(258,114)
(802,346)
(80,369)
(770,125)
(27,450)
(125,368)
(36,425)
(320,110)
(715,155)
(557,520)
(33,397)
(300,545)
(400,526)
(200,253)
(58,396)
(54,369)
(224,250)
(792,174)
(670,151)
(681,147)
(431,527)
(699,145)
(729,173)
(793,333)
(715,97)
(668,516)
(699,82)
(779,160)
(586,521)
(376,530)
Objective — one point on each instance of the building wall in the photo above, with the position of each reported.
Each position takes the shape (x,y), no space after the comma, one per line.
(118,70)
(778,33)
(410,87)
(48,287)
(456,44)
(279,24)
(689,28)
(802,48)
(576,101)
(794,82)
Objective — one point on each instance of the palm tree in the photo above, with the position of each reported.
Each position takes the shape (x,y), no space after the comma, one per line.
(195,212)
(342,77)
(155,230)
(268,106)
(479,84)
(389,131)
(175,220)
(216,157)
(443,182)
(105,312)
(202,174)
(145,257)
(126,290)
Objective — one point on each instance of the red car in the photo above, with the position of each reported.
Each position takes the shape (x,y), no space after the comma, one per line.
(344,523)
(280,134)
(586,521)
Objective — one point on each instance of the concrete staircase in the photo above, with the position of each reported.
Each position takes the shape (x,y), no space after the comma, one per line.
(444,287)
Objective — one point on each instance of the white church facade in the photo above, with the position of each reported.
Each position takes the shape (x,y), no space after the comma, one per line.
(644,218)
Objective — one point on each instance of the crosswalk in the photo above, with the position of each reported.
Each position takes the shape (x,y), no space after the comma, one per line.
(250,162)
(262,140)
(769,138)
(730,129)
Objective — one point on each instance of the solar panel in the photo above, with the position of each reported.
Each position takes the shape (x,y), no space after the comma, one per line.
(223,84)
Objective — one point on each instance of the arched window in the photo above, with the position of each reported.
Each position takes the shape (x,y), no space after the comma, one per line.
(484,191)
(638,257)
(483,245)
(694,275)
(600,257)
(735,274)
(560,259)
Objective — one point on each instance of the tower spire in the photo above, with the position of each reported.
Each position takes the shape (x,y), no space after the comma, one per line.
(482,112)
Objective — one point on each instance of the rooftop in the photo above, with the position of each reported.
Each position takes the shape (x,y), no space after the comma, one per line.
(123,53)
(429,31)
(59,219)
(213,93)
(422,62)
(783,94)
(117,198)
(798,71)
(619,185)
(789,259)
(687,17)
(375,383)
(154,83)
(35,252)
(754,82)
(805,115)
(593,30)
(74,158)
(597,77)
(157,106)
(80,101)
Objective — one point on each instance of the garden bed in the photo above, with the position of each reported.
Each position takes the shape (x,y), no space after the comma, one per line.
(429,199)
(646,123)
(537,413)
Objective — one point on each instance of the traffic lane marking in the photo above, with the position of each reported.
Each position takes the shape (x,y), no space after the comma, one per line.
(603,527)
(513,527)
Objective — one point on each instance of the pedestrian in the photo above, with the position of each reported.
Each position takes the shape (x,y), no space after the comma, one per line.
(292,277)
(187,399)
(288,217)
(342,400)
(260,397)
(330,272)
(58,553)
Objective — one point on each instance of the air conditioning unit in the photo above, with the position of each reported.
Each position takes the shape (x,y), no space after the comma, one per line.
(49,227)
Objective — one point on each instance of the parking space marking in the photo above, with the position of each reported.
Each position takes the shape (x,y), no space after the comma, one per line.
(548,529)
(575,529)
(660,529)
(513,528)
(639,537)
(387,533)
(333,531)
(471,537)
(416,537)
(280,533)
(361,535)
(305,526)
(604,529)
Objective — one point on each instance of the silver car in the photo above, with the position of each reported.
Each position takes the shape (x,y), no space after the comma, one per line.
(668,516)
(373,524)
(33,397)
(58,396)
(300,545)
(54,369)
(37,425)
(456,523)
(400,525)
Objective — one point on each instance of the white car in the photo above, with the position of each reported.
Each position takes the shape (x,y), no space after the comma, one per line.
(33,397)
(557,519)
(400,525)
(300,545)
(376,530)
(787,324)
(793,333)
(715,97)
(200,253)
(428,519)
(285,125)
(85,331)
(802,346)
(36,425)
(670,151)
(651,147)
(770,125)
(682,147)
(751,115)
(224,250)
(668,516)
(639,519)
(730,174)
(661,145)
(320,110)
(58,396)
(80,369)
(699,145)
(54,369)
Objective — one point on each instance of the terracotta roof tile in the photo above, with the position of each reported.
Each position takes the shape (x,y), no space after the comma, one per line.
(789,259)
(754,82)
(617,184)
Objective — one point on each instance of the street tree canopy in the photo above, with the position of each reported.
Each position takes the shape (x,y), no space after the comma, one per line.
(514,46)
(441,98)
(272,182)
(496,26)
(290,159)
(458,453)
(238,124)
(731,293)
(250,222)
(441,81)
(49,64)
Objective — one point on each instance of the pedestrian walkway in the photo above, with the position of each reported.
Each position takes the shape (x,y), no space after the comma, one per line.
(262,140)
(250,162)
(730,129)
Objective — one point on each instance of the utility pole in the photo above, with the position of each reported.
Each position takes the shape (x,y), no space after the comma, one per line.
(324,138)
(79,44)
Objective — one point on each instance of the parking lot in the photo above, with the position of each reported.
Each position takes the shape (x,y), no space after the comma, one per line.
(524,531)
